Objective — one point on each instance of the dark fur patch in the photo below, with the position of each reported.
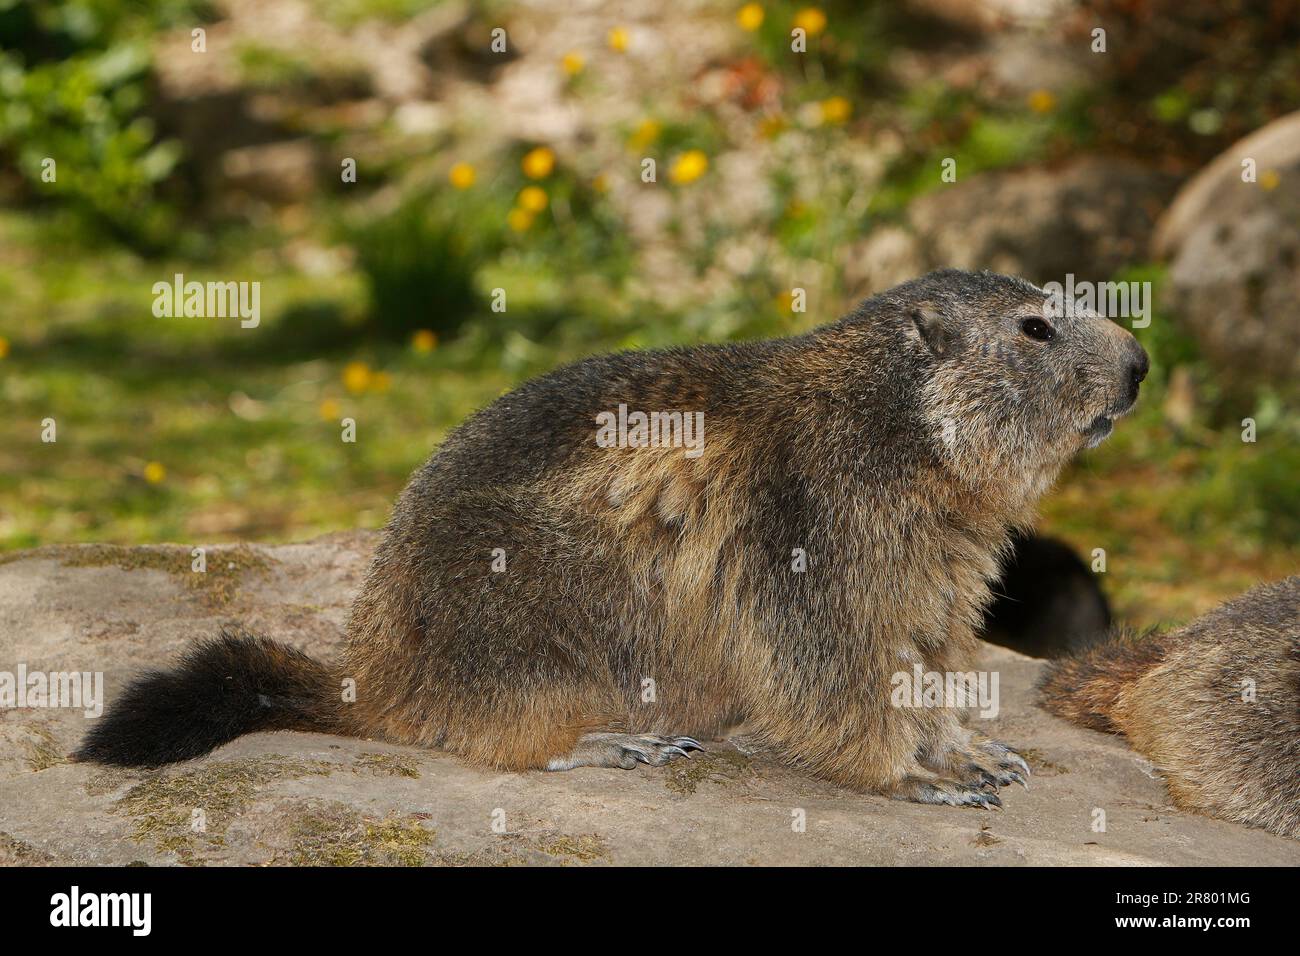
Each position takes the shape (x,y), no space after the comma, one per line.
(1047,602)
(232,685)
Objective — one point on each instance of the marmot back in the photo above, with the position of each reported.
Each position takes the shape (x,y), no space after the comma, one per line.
(1214,705)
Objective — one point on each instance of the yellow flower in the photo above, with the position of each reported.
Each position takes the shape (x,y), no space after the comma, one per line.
(811,19)
(572,63)
(600,183)
(689,166)
(771,127)
(837,109)
(154,472)
(462,175)
(785,302)
(4,347)
(1268,180)
(1042,101)
(646,133)
(329,410)
(750,17)
(538,163)
(618,39)
(424,341)
(356,377)
(532,199)
(520,220)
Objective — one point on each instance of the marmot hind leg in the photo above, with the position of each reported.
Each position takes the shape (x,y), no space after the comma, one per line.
(625,751)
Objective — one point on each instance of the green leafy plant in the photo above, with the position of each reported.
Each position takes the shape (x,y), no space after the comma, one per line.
(73,81)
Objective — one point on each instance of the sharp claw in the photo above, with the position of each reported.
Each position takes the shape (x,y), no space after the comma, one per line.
(1019,761)
(657,751)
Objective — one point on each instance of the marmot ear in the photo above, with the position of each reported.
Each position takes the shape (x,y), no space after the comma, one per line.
(935,330)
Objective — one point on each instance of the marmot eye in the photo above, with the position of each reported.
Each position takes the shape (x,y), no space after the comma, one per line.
(1037,329)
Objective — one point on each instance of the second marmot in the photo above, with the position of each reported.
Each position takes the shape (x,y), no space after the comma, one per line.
(1214,705)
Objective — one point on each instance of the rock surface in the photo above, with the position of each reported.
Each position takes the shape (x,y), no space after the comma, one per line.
(1234,247)
(291,798)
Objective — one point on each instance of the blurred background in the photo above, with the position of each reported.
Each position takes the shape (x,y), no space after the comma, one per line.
(521,170)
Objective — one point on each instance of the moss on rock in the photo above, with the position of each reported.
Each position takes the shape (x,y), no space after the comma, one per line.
(175,810)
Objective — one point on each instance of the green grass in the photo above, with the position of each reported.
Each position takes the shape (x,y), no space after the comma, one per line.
(244,424)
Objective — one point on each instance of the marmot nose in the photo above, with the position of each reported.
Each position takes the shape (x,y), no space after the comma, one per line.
(1140,366)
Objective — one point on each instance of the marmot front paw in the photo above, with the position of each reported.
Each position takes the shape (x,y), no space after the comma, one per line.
(983,763)
(993,765)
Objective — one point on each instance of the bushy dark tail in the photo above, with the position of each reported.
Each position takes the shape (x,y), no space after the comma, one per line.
(1086,687)
(223,688)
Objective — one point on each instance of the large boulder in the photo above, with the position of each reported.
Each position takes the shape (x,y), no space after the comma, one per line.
(1234,251)
(1089,218)
(293,798)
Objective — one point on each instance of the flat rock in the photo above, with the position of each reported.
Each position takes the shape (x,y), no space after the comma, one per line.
(291,798)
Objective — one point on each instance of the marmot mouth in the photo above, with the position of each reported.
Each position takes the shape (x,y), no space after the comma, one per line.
(1098,429)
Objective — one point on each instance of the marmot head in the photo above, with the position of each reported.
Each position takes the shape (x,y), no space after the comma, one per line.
(1011,388)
